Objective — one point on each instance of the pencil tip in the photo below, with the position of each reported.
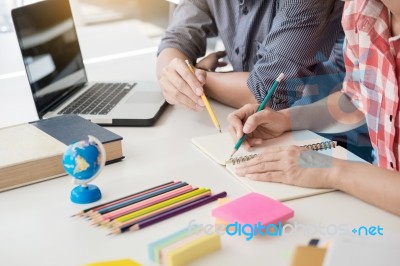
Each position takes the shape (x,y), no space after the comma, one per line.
(233,152)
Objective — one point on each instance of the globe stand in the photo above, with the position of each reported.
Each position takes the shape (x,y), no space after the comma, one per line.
(85,194)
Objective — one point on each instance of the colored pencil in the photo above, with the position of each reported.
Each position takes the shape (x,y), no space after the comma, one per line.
(206,103)
(171,213)
(122,227)
(83,212)
(140,198)
(140,205)
(93,214)
(160,205)
(116,226)
(260,108)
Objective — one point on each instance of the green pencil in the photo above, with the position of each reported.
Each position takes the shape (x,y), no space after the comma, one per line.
(261,107)
(160,205)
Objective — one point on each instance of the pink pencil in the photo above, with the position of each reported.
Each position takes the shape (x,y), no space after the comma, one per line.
(117,225)
(142,204)
(94,209)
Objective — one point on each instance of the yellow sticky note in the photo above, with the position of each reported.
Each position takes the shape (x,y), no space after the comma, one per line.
(308,256)
(195,249)
(124,262)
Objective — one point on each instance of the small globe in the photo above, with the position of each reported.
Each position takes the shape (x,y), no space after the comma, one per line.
(82,160)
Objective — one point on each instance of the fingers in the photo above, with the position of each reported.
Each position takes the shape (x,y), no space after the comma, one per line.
(237,118)
(263,167)
(212,61)
(177,92)
(201,76)
(220,54)
(256,119)
(290,165)
(174,96)
(254,141)
(181,86)
(192,83)
(220,62)
(235,126)
(276,177)
(275,159)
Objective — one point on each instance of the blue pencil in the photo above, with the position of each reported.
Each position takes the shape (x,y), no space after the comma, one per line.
(140,198)
(261,107)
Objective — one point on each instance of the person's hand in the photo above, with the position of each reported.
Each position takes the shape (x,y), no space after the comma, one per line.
(180,86)
(258,126)
(212,61)
(290,165)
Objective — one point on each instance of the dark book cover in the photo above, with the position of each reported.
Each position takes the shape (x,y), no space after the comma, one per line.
(72,128)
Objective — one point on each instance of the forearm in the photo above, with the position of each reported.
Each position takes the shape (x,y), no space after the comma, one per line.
(332,114)
(229,88)
(369,183)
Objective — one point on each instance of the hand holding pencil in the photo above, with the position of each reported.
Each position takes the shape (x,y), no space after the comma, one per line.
(178,84)
(206,103)
(251,124)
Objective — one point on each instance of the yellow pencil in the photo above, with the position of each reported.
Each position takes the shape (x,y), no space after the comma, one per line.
(206,103)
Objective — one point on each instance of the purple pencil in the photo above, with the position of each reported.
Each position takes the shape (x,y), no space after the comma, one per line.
(173,212)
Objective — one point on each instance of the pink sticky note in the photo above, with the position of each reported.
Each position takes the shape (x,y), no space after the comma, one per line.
(253,208)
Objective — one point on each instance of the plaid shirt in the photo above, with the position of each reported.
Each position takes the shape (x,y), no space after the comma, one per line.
(372,59)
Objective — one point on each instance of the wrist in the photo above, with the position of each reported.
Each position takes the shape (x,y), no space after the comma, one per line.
(287,125)
(336,173)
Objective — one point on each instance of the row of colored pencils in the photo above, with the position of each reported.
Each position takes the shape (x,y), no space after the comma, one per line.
(149,206)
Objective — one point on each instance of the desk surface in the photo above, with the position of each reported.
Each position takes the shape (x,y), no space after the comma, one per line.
(36,227)
(36,218)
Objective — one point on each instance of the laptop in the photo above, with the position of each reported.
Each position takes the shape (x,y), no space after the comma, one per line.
(53,61)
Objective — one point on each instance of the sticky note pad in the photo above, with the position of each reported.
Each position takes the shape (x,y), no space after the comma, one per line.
(221,224)
(124,262)
(253,208)
(308,256)
(193,250)
(183,242)
(155,248)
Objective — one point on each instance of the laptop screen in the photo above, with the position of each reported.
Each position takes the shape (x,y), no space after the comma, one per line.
(50,50)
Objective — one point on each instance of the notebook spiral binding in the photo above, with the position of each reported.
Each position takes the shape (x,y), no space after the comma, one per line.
(315,146)
(321,145)
(241,159)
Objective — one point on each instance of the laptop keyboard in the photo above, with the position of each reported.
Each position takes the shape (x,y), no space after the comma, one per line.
(99,99)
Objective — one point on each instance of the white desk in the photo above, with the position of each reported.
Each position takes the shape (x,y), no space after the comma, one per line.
(35,224)
(36,229)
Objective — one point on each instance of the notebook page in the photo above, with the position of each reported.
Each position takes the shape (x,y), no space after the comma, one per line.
(219,147)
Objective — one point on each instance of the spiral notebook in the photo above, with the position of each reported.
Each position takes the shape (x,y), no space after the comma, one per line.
(218,147)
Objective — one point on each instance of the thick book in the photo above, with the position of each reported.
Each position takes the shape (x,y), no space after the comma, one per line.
(32,152)
(218,147)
